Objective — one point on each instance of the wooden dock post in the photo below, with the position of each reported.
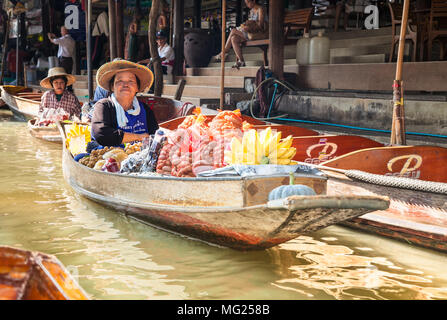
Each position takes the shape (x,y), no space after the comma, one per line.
(276,37)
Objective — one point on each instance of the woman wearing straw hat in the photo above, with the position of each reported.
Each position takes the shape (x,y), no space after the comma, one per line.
(59,98)
(121,118)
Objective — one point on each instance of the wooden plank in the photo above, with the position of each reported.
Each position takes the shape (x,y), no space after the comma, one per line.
(257,193)
(276,36)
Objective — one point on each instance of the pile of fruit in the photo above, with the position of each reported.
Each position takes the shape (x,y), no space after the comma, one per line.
(77,138)
(131,148)
(198,146)
(263,148)
(107,159)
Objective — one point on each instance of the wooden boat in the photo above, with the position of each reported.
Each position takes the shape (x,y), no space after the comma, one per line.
(46,133)
(415,216)
(317,149)
(22,101)
(226,211)
(26,275)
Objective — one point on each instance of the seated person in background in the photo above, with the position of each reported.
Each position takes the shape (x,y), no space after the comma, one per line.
(165,52)
(121,118)
(100,93)
(59,98)
(253,29)
(87,107)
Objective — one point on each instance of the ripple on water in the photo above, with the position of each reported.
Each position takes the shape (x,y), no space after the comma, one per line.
(341,273)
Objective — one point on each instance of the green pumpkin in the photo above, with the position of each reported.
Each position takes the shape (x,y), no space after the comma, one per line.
(292,189)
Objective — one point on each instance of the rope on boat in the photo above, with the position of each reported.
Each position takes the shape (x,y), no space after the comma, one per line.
(398,182)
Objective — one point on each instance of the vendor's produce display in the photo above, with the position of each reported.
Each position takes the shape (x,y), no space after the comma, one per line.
(195,146)
(265,147)
(198,146)
(77,138)
(50,116)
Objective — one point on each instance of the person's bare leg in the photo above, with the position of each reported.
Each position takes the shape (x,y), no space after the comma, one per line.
(237,47)
(228,45)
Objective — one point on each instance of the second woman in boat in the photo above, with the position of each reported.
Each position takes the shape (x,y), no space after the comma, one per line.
(121,118)
(59,99)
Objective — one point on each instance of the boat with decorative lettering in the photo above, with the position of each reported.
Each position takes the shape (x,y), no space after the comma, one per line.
(415,180)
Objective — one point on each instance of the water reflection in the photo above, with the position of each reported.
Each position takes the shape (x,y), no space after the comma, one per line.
(116,265)
(345,273)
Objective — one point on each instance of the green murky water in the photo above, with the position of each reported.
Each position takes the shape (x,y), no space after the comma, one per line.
(114,257)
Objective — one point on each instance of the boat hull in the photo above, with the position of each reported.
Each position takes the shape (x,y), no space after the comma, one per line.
(415,217)
(22,108)
(231,212)
(50,134)
(27,275)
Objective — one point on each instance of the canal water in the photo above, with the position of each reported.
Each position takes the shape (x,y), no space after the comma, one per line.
(115,257)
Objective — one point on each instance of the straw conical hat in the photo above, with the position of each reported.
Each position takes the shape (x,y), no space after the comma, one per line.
(57,72)
(106,72)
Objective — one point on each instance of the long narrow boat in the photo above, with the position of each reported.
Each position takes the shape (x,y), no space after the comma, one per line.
(26,275)
(418,207)
(226,211)
(23,102)
(47,133)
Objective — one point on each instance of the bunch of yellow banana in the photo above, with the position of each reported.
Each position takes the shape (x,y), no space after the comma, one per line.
(263,148)
(77,138)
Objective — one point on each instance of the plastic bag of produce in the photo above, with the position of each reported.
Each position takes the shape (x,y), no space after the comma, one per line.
(134,162)
(150,163)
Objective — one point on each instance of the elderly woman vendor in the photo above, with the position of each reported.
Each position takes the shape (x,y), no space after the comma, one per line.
(59,98)
(121,118)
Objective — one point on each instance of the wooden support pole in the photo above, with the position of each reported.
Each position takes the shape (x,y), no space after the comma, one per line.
(17,52)
(112,29)
(398,122)
(5,49)
(119,28)
(276,36)
(156,61)
(178,36)
(179,90)
(46,26)
(222,64)
(197,21)
(171,22)
(88,30)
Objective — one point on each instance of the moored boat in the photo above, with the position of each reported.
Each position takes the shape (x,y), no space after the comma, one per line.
(227,211)
(27,275)
(48,133)
(414,179)
(23,102)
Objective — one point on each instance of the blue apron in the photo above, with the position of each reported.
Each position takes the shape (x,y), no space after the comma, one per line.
(136,124)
